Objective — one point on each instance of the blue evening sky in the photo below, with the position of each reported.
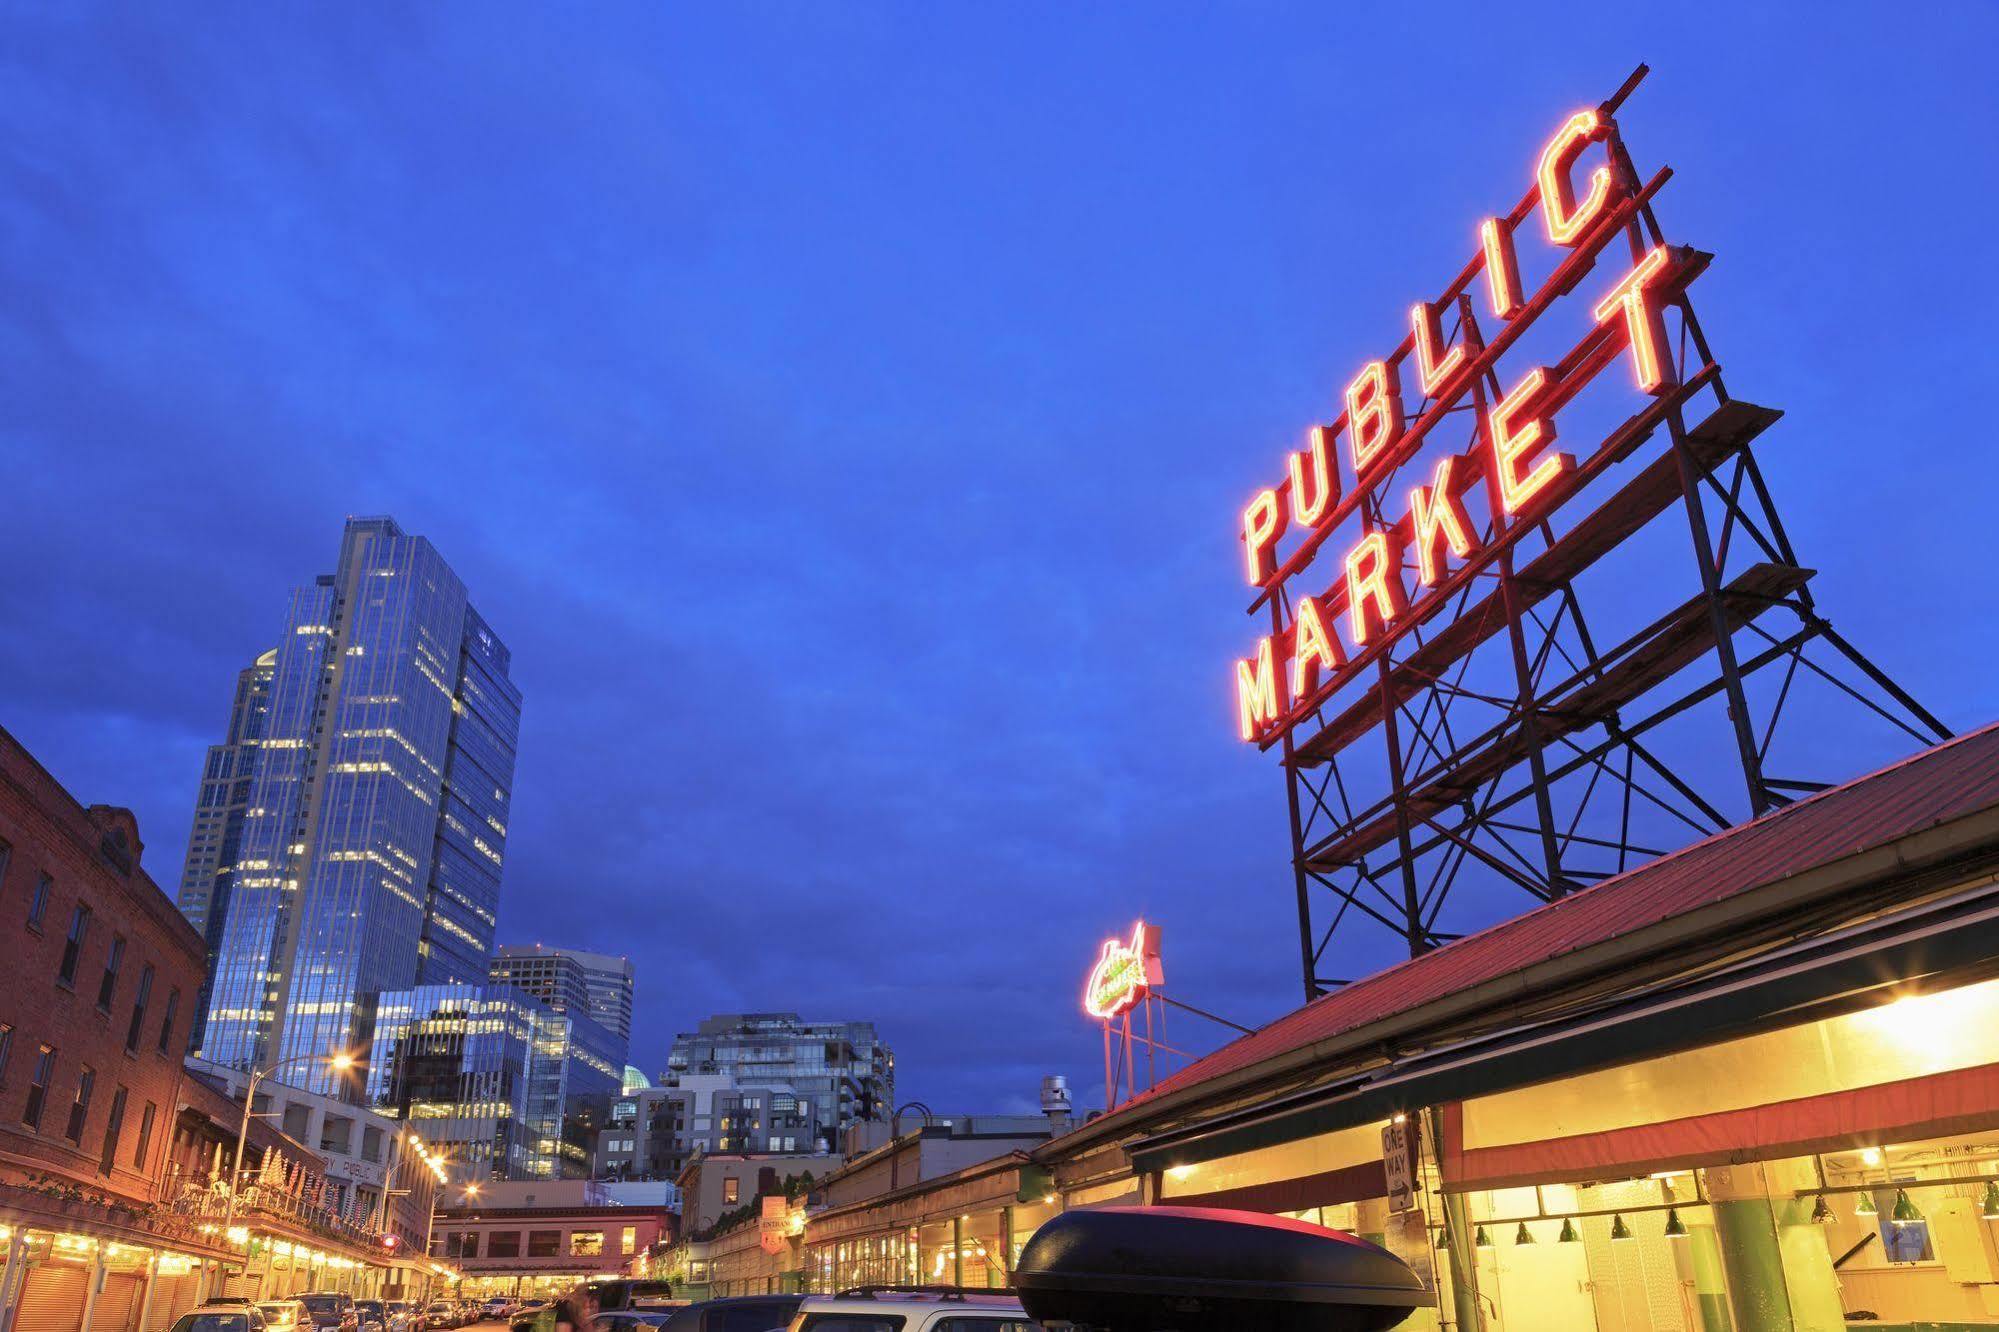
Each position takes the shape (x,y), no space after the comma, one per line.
(842,411)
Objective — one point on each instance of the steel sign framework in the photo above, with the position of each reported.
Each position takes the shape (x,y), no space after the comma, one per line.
(1523,742)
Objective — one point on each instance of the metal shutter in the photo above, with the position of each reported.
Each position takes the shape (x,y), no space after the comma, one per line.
(172,1297)
(116,1304)
(52,1299)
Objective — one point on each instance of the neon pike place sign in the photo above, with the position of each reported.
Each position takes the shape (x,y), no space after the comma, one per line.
(1124,974)
(1394,574)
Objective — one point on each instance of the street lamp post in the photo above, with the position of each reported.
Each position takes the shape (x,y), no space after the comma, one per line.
(339,1063)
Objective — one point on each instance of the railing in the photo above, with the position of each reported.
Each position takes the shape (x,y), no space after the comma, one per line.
(210,1202)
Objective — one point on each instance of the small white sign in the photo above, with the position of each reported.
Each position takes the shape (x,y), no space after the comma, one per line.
(1398,1157)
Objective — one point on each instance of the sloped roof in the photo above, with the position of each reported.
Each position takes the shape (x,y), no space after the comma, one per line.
(1947,782)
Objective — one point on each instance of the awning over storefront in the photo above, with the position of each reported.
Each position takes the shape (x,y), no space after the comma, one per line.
(1948,939)
(1892,836)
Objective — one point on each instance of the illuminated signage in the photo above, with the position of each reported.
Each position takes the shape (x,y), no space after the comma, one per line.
(1124,973)
(1409,530)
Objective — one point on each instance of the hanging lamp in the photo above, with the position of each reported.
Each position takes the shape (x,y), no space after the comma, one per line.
(1675,1228)
(1905,1211)
(1523,1235)
(1568,1235)
(1618,1230)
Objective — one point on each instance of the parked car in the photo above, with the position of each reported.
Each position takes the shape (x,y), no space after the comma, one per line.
(283,1315)
(329,1311)
(497,1307)
(740,1313)
(912,1309)
(402,1315)
(216,1317)
(371,1316)
(524,1318)
(441,1313)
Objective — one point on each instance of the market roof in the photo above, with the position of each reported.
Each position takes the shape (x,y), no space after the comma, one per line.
(1954,779)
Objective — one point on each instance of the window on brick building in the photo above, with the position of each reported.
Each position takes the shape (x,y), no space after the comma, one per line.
(586,1243)
(145,1137)
(38,1087)
(114,1124)
(112,960)
(72,949)
(79,1109)
(732,1189)
(544,1244)
(139,1002)
(167,1027)
(503,1244)
(38,903)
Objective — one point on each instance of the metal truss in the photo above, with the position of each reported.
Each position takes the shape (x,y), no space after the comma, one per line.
(1521,755)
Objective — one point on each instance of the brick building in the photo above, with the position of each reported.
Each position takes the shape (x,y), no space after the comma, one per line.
(101,978)
(540,1237)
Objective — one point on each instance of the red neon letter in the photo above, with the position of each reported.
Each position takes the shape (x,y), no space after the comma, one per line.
(1374,414)
(1374,578)
(1313,488)
(1256,690)
(1567,220)
(1262,524)
(1311,647)
(1430,371)
(1644,323)
(1434,512)
(1515,442)
(1502,267)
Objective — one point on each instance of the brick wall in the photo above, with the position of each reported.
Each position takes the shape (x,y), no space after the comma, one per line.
(57,855)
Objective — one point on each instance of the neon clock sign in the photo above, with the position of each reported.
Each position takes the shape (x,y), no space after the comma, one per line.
(1396,572)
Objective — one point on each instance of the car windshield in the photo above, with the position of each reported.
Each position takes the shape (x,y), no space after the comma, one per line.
(213,1322)
(320,1303)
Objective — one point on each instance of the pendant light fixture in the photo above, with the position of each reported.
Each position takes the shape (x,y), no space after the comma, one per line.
(1990,1209)
(1675,1228)
(1481,1240)
(1866,1207)
(1821,1213)
(1905,1211)
(1523,1235)
(1618,1230)
(1568,1235)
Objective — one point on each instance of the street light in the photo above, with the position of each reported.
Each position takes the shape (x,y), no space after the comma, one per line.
(339,1063)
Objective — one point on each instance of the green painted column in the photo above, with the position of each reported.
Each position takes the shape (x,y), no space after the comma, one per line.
(1463,1273)
(1755,1265)
(1710,1288)
(1780,1275)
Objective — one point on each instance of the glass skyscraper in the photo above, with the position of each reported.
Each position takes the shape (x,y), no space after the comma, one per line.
(219,806)
(376,822)
(565,978)
(494,1079)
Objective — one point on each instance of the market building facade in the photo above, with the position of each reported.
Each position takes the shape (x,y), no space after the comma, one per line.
(1752,1085)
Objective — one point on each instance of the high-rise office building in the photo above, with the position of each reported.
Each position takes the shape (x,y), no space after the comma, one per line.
(219,806)
(499,1084)
(554,975)
(376,827)
(842,1068)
